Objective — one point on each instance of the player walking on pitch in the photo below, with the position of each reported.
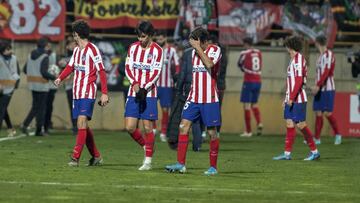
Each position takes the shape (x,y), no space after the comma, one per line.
(295,101)
(203,100)
(324,90)
(250,62)
(143,65)
(85,63)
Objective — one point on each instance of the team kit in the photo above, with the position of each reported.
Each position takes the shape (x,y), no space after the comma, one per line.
(149,69)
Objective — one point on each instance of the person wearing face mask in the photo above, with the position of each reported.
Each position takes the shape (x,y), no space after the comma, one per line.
(38,76)
(9,75)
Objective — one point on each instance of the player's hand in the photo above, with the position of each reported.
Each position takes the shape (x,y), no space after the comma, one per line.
(289,103)
(136,87)
(104,100)
(57,82)
(315,90)
(195,43)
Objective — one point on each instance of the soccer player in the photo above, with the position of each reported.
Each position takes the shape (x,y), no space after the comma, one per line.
(250,62)
(165,83)
(85,63)
(295,101)
(143,65)
(324,90)
(203,101)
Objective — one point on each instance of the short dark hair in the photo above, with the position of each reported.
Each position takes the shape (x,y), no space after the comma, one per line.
(200,33)
(145,27)
(214,38)
(161,33)
(294,42)
(321,40)
(4,45)
(42,42)
(248,40)
(82,28)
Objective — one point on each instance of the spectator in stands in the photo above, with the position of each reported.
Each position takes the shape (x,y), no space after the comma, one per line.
(9,77)
(68,82)
(38,76)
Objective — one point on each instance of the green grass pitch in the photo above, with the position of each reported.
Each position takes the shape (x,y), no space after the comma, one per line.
(34,169)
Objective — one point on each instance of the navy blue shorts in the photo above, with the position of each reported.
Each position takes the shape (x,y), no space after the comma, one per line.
(324,101)
(250,92)
(142,110)
(296,112)
(209,113)
(83,107)
(165,95)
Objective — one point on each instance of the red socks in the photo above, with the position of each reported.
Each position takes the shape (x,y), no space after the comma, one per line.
(333,123)
(309,138)
(80,141)
(164,122)
(182,148)
(137,136)
(90,143)
(149,144)
(248,120)
(256,113)
(319,122)
(290,138)
(214,150)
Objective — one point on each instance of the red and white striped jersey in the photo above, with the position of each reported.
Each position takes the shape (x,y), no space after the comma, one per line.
(203,86)
(143,67)
(296,80)
(170,59)
(250,62)
(325,67)
(85,63)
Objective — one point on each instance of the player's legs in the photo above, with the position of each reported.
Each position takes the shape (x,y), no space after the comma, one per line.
(191,113)
(246,98)
(319,122)
(247,116)
(80,140)
(164,123)
(149,144)
(214,150)
(131,126)
(333,123)
(308,136)
(257,115)
(131,120)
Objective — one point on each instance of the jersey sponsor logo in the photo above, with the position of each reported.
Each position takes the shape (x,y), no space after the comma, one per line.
(80,68)
(142,66)
(199,69)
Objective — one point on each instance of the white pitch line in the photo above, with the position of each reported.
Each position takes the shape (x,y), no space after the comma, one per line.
(12,138)
(167,188)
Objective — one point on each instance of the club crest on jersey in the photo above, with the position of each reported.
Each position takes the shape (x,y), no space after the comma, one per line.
(149,56)
(83,58)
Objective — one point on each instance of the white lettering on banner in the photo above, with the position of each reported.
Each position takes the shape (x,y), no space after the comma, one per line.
(354,131)
(23,20)
(45,23)
(354,109)
(27,14)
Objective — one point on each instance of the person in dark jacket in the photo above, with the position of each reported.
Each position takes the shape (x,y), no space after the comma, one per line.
(9,77)
(38,76)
